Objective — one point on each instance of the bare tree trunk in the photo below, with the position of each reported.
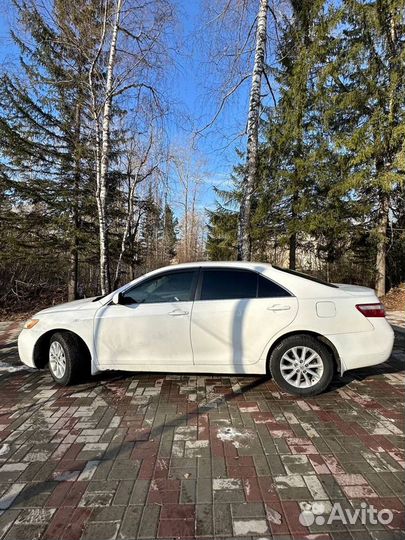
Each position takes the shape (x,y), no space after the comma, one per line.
(123,243)
(186,216)
(244,237)
(127,228)
(74,249)
(193,232)
(380,264)
(293,237)
(293,251)
(384,199)
(73,272)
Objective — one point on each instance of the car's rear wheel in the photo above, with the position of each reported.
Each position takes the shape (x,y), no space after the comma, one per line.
(302,365)
(66,358)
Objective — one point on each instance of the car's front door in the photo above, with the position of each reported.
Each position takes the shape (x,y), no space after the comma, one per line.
(150,328)
(235,314)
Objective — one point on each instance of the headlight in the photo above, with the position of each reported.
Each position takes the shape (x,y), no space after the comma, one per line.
(31,323)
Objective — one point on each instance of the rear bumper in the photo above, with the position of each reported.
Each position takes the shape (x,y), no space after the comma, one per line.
(364,349)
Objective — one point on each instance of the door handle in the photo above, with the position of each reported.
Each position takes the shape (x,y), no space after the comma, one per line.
(178,313)
(278,307)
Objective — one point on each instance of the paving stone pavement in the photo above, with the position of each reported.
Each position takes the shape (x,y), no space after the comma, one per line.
(127,456)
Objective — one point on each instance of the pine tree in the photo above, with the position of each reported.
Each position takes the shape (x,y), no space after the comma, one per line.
(366,82)
(296,134)
(46,167)
(170,224)
(150,232)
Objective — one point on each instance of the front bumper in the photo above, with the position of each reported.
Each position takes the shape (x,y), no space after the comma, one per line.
(364,349)
(26,344)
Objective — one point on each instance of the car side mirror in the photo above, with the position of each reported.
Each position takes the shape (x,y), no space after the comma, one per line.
(117,298)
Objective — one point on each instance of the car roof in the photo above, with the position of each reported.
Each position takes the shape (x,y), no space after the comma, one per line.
(296,284)
(258,266)
(255,266)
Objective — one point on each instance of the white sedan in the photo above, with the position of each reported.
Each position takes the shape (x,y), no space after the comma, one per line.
(209,317)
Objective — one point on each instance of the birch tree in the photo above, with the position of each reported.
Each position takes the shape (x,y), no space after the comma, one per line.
(140,166)
(244,240)
(128,58)
(241,52)
(188,174)
(102,120)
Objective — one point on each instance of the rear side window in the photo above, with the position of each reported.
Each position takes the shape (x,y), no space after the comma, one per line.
(269,289)
(228,284)
(223,284)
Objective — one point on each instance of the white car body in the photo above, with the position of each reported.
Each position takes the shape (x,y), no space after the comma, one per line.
(216,336)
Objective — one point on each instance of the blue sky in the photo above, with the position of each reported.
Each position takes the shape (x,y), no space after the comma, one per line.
(194,79)
(189,85)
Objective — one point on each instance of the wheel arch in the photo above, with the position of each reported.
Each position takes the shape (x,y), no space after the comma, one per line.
(41,347)
(320,337)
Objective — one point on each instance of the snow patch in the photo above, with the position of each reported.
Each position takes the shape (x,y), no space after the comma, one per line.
(239,438)
(226,483)
(11,369)
(4,449)
(251,526)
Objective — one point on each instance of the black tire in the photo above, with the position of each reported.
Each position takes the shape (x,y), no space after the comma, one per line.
(76,358)
(302,340)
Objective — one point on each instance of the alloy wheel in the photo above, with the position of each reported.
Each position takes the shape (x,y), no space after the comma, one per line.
(57,359)
(301,367)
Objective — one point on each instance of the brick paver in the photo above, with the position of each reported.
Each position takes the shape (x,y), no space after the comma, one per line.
(183,456)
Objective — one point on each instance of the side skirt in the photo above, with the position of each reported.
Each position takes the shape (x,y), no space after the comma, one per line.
(255,369)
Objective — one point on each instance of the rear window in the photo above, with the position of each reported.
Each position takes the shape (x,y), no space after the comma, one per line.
(269,289)
(306,276)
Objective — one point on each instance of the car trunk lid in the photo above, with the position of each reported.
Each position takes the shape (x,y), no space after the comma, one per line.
(357,290)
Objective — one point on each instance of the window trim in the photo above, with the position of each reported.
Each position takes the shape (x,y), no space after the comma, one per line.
(197,297)
(195,271)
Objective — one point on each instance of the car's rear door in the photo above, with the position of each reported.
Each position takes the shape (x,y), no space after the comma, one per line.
(152,329)
(235,314)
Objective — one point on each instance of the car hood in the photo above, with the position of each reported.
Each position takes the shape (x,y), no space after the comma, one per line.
(76,305)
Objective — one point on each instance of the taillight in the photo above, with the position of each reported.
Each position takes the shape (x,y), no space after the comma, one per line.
(371,310)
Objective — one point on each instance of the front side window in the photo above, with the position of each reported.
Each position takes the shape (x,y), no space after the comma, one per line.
(228,284)
(172,287)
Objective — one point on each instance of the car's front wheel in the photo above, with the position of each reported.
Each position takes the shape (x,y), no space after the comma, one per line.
(66,359)
(302,365)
